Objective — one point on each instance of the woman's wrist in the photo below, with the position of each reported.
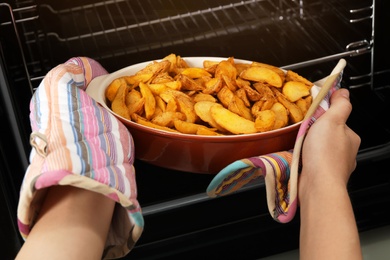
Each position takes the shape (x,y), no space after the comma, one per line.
(320,184)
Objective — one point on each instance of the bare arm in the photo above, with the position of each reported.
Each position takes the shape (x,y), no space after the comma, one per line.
(73,224)
(328,226)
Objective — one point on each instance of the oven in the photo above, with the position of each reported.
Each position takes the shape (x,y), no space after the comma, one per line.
(307,36)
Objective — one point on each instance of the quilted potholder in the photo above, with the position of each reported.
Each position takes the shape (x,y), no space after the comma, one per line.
(279,170)
(79,143)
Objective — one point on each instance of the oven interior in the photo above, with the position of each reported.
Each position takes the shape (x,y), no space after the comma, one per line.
(306,36)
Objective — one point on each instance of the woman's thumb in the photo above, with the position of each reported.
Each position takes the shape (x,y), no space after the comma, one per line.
(340,104)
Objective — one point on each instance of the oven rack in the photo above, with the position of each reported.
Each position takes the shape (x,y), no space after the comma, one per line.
(132,31)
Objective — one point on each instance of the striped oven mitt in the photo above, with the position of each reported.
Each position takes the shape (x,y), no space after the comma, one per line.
(280,169)
(79,143)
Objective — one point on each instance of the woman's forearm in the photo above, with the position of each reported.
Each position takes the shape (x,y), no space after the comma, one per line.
(328,226)
(73,224)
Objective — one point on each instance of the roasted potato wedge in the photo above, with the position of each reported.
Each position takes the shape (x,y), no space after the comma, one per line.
(295,113)
(281,115)
(237,106)
(150,101)
(189,128)
(241,67)
(203,97)
(134,80)
(231,121)
(143,121)
(195,73)
(119,104)
(241,93)
(172,58)
(213,86)
(186,106)
(221,98)
(252,93)
(167,118)
(225,96)
(293,76)
(207,131)
(203,110)
(163,77)
(230,83)
(304,103)
(134,102)
(157,88)
(262,74)
(210,63)
(155,68)
(112,89)
(268,66)
(265,120)
(172,105)
(227,69)
(294,90)
(188,83)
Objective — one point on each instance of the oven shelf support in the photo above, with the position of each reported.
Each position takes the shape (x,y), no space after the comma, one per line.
(381,152)
(19,42)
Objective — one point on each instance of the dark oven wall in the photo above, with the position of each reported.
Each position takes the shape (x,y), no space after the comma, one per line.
(120,33)
(307,36)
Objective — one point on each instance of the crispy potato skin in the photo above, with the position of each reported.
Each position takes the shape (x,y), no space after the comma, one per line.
(231,121)
(221,98)
(119,104)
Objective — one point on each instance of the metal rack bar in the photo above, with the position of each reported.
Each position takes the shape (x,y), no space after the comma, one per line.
(215,14)
(365,47)
(140,24)
(194,199)
(220,30)
(369,8)
(16,10)
(19,43)
(375,153)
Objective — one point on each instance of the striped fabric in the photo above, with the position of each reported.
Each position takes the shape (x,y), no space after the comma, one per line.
(77,142)
(279,170)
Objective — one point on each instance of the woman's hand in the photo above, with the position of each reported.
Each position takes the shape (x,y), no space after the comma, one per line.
(330,147)
(328,226)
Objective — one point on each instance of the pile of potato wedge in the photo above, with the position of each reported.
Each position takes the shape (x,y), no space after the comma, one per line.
(221,98)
